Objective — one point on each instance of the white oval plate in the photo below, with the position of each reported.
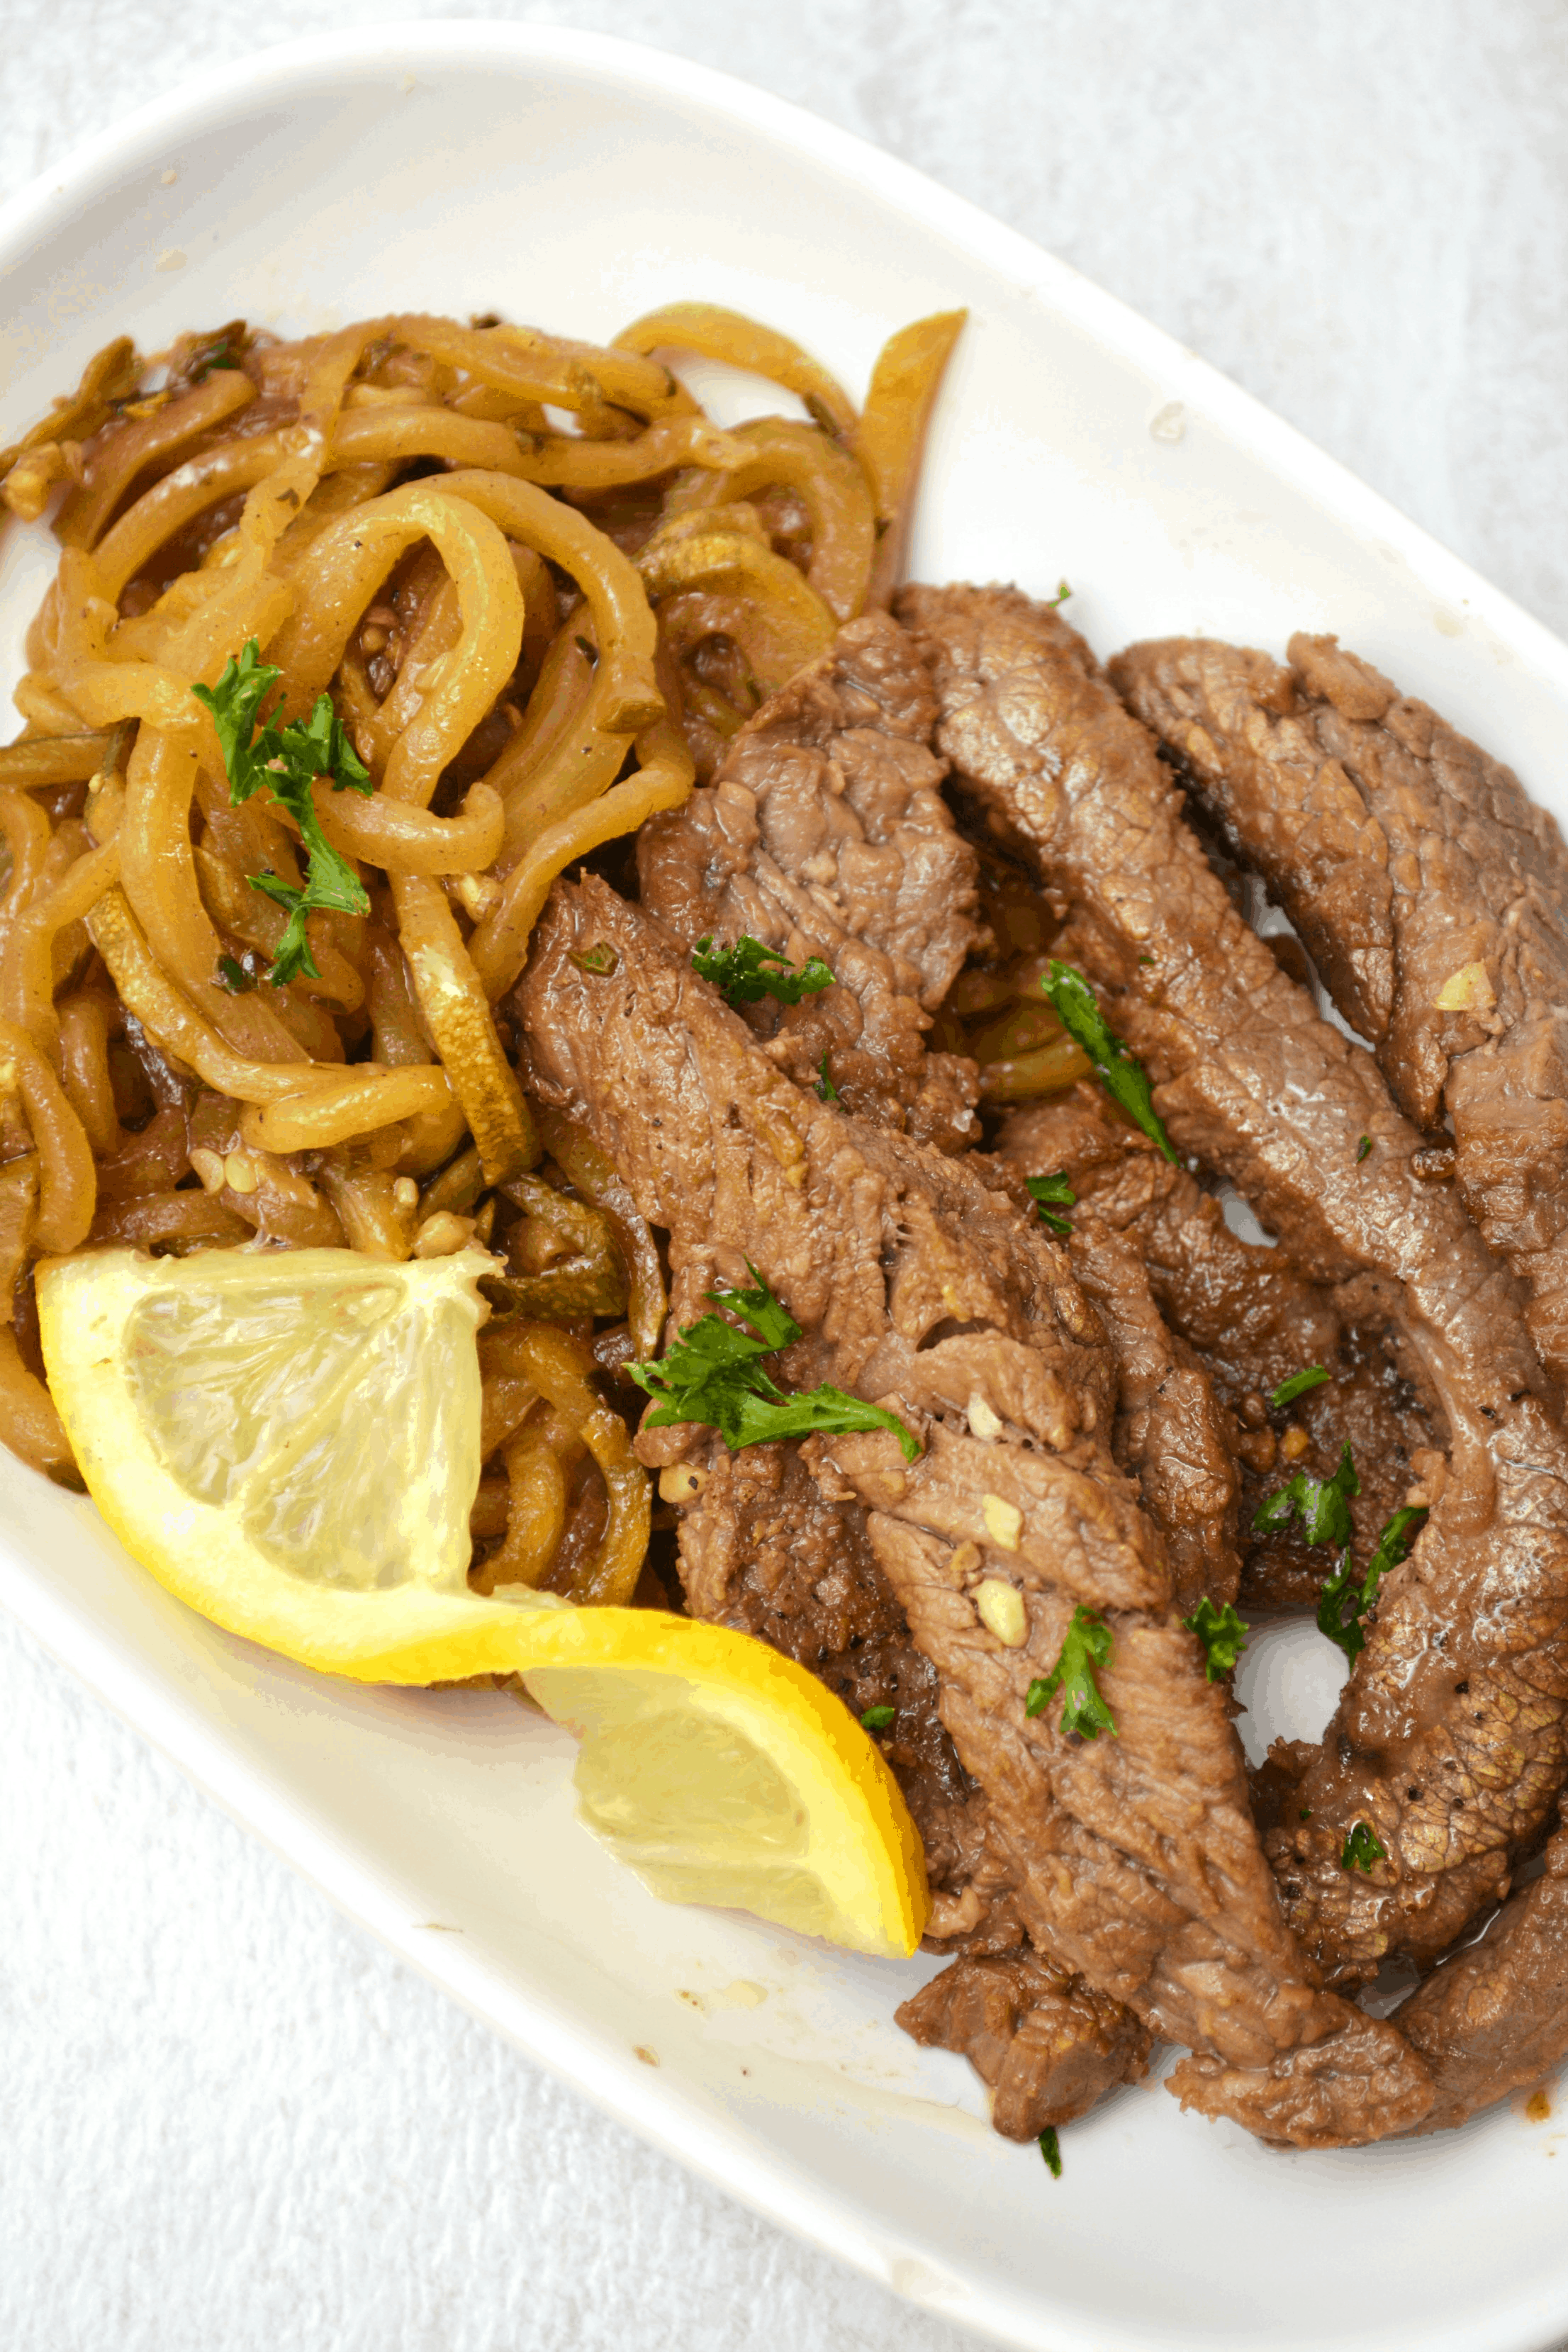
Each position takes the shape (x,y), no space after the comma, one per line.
(576,182)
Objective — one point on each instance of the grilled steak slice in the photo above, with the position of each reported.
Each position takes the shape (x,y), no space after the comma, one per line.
(1494,2019)
(1047,2044)
(764,1549)
(1450,1739)
(1171,1435)
(825,833)
(918,1285)
(1252,1321)
(1432,892)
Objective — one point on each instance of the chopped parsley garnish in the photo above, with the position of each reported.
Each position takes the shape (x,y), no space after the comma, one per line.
(1343,1603)
(1362,1849)
(712,1376)
(1393,1545)
(234,976)
(288,761)
(1044,1190)
(1297,1384)
(599,960)
(1362,1148)
(1087,1645)
(1063,592)
(217,355)
(743,973)
(1050,2148)
(1223,1634)
(1323,1504)
(877,1718)
(825,1089)
(1120,1073)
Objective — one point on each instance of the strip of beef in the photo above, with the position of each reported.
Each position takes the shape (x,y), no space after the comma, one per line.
(1494,2019)
(825,833)
(1450,1740)
(1171,1433)
(918,1285)
(1253,1321)
(1043,2041)
(766,1550)
(1432,892)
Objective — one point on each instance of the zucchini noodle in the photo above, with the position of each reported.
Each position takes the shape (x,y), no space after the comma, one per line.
(538,588)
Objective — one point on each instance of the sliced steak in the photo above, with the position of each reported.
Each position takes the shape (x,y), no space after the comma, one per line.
(825,833)
(1048,2044)
(1450,1739)
(1432,892)
(1495,2018)
(1252,1320)
(919,1286)
(1172,1434)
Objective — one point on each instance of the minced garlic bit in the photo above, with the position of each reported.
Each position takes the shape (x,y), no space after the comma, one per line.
(681,1483)
(1294,1444)
(1468,990)
(982,1419)
(442,1234)
(405,1194)
(964,1561)
(1003,1521)
(239,1173)
(1002,1611)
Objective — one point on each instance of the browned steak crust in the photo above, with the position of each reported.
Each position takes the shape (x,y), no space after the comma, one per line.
(1495,2018)
(1172,1436)
(1432,892)
(1048,2044)
(1450,1739)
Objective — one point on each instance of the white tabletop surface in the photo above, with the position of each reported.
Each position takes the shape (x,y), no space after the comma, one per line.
(230,2121)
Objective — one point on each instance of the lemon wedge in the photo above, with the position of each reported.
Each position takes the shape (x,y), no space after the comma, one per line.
(290,1443)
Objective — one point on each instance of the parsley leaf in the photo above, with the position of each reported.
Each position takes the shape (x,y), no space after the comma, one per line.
(1059,599)
(599,961)
(825,1089)
(1120,1073)
(742,974)
(1343,1603)
(1340,1606)
(1362,1148)
(217,355)
(1297,1384)
(234,976)
(712,1376)
(1393,1545)
(1044,1189)
(1362,1849)
(1223,1634)
(1323,1504)
(877,1718)
(287,759)
(1050,2148)
(1087,1645)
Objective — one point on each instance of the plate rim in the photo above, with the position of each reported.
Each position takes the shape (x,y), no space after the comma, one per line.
(668,2115)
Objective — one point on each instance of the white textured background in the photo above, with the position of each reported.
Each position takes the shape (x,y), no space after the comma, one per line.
(229,2123)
